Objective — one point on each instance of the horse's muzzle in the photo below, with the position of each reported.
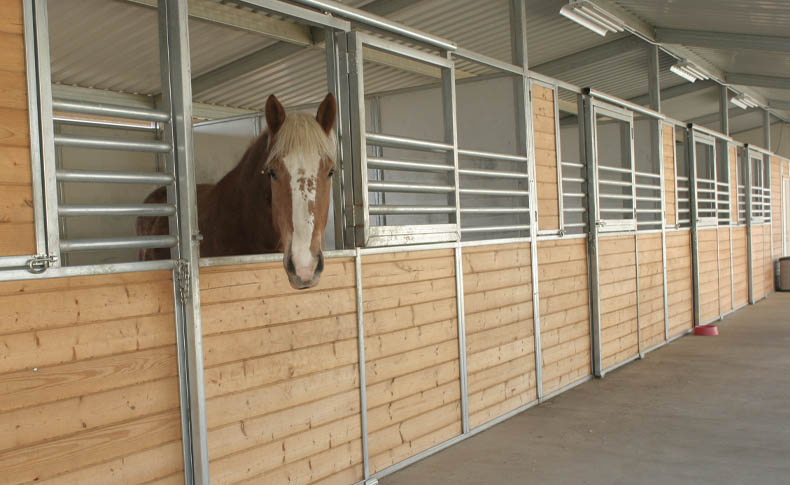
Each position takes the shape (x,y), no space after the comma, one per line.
(299,282)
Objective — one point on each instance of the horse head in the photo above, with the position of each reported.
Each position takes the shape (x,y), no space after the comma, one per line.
(300,165)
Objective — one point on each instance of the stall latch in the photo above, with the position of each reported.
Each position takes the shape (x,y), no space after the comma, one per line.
(40,262)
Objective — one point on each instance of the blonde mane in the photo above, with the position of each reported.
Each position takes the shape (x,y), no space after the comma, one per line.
(301,132)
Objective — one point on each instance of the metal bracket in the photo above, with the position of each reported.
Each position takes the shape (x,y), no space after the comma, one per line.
(40,262)
(182,273)
(372,481)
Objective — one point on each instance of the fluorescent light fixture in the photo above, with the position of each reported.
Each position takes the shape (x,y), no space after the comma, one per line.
(744,102)
(589,15)
(689,71)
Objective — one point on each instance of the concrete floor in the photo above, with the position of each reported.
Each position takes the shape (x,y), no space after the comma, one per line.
(699,410)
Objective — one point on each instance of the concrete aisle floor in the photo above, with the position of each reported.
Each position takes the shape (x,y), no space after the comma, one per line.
(699,410)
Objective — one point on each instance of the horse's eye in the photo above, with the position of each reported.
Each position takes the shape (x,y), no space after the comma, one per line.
(331,172)
(272,174)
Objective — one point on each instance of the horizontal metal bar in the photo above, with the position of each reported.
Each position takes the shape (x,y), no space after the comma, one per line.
(496,228)
(626,104)
(411,166)
(517,193)
(575,224)
(573,179)
(573,195)
(685,179)
(648,187)
(492,155)
(402,187)
(574,209)
(649,211)
(402,142)
(614,169)
(614,182)
(573,164)
(111,110)
(492,173)
(117,210)
(615,196)
(494,210)
(619,210)
(104,124)
(645,174)
(110,144)
(648,199)
(139,242)
(488,61)
(383,210)
(114,177)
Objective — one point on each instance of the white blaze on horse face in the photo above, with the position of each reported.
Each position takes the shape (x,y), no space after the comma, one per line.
(303,168)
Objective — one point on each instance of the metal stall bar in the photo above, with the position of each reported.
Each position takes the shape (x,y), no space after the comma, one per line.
(339,88)
(174,57)
(71,245)
(154,178)
(518,29)
(593,224)
(691,157)
(749,220)
(662,184)
(110,144)
(110,110)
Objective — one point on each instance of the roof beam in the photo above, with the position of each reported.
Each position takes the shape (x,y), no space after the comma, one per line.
(723,40)
(778,104)
(758,80)
(714,117)
(244,19)
(589,56)
(675,91)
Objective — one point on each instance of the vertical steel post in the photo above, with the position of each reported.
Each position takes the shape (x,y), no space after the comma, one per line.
(518,31)
(558,148)
(590,158)
(333,75)
(47,130)
(359,208)
(691,157)
(459,292)
(724,110)
(748,200)
(347,140)
(653,77)
(177,99)
(662,184)
(767,129)
(363,400)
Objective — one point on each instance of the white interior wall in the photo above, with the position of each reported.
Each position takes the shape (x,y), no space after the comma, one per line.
(780,138)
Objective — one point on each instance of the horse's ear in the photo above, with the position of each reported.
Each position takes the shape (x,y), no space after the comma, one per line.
(275,114)
(327,113)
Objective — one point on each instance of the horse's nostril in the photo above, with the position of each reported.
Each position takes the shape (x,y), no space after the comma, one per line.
(289,266)
(320,266)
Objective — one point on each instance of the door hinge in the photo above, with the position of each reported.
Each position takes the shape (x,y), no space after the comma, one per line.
(182,273)
(40,262)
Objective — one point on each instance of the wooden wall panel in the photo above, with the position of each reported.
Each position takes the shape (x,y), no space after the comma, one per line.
(617,290)
(758,262)
(500,342)
(89,380)
(776,210)
(668,135)
(16,193)
(740,258)
(281,375)
(725,276)
(564,312)
(545,157)
(768,261)
(411,345)
(679,290)
(707,251)
(651,290)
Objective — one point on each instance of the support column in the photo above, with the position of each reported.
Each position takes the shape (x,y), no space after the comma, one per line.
(653,80)
(766,130)
(724,110)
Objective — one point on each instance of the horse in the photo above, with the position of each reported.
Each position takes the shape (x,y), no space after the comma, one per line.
(275,200)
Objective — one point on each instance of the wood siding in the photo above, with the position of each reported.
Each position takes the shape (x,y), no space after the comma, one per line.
(411,346)
(679,289)
(725,270)
(651,290)
(768,263)
(668,135)
(564,312)
(758,262)
(707,251)
(89,380)
(618,307)
(16,189)
(545,157)
(500,343)
(776,211)
(281,375)
(740,258)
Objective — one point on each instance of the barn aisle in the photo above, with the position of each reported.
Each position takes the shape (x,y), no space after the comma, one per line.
(700,410)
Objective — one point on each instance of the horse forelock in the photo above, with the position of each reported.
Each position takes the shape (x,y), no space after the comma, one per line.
(301,134)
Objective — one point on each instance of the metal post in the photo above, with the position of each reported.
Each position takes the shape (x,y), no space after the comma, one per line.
(664,226)
(592,223)
(359,208)
(363,400)
(724,110)
(177,99)
(459,296)
(518,30)
(691,157)
(748,200)
(558,148)
(653,77)
(347,136)
(333,69)
(767,129)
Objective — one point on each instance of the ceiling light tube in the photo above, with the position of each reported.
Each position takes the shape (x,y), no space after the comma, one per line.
(612,23)
(568,12)
(682,73)
(738,102)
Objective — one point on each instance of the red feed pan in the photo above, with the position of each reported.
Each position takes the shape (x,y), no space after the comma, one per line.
(707,330)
